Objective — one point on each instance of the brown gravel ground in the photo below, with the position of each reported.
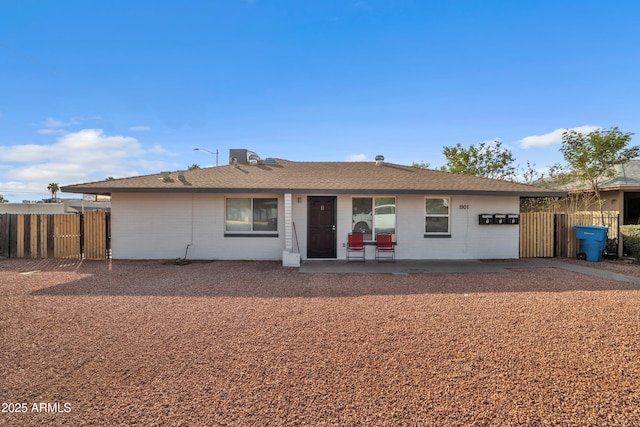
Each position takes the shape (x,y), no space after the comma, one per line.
(252,344)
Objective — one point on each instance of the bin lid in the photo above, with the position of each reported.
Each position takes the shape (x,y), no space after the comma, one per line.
(591,232)
(590,227)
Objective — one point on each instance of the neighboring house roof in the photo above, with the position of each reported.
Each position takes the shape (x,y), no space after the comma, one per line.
(63,206)
(627,177)
(313,177)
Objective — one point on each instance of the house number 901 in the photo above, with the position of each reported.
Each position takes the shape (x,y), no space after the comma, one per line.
(464,206)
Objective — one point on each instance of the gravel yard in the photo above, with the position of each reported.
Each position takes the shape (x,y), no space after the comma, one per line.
(252,343)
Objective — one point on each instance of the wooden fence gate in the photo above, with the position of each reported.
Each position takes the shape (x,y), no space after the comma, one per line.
(536,235)
(546,235)
(84,235)
(96,229)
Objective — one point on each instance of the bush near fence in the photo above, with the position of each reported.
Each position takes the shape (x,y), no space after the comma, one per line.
(631,236)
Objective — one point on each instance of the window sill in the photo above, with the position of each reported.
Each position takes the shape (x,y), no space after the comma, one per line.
(250,235)
(437,236)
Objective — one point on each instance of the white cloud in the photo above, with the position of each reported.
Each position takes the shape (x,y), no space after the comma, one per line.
(139,128)
(160,150)
(53,126)
(83,156)
(357,158)
(50,131)
(52,123)
(552,138)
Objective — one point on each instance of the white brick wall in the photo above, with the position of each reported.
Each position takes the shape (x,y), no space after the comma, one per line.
(468,240)
(159,226)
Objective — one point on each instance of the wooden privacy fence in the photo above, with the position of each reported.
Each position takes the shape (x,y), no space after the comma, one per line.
(96,234)
(536,235)
(55,235)
(545,234)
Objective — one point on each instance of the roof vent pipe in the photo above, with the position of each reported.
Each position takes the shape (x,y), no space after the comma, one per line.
(379,160)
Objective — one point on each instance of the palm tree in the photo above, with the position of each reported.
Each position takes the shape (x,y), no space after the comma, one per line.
(194,166)
(53,189)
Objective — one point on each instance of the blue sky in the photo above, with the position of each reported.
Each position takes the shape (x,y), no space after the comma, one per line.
(91,89)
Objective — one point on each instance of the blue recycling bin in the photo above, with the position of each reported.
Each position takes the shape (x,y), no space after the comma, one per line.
(593,240)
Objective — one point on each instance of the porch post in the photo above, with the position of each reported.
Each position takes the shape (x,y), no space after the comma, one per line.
(289,258)
(288,222)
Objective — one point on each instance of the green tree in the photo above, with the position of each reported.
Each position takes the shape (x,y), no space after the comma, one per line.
(591,158)
(53,189)
(531,175)
(2,199)
(488,159)
(194,166)
(421,165)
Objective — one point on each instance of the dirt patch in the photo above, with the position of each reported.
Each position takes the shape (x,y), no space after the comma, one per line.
(251,343)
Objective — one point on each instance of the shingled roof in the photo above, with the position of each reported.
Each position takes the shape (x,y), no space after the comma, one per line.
(313,177)
(626,177)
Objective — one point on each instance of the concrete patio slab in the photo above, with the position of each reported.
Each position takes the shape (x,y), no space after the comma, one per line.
(404,267)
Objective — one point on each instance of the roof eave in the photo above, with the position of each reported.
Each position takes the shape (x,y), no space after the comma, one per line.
(109,191)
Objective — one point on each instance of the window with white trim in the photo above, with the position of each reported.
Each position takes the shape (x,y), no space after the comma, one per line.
(373,215)
(251,215)
(436,218)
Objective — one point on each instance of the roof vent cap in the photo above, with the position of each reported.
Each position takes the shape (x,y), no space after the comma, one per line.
(251,156)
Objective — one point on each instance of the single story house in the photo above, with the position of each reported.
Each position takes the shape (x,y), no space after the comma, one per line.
(621,192)
(620,195)
(276,209)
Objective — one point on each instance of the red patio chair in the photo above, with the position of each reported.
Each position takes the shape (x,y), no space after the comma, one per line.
(355,247)
(384,248)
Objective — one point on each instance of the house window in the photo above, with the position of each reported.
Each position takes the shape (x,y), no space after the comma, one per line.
(374,215)
(436,219)
(251,214)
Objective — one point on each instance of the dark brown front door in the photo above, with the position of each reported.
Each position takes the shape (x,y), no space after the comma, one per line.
(322,227)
